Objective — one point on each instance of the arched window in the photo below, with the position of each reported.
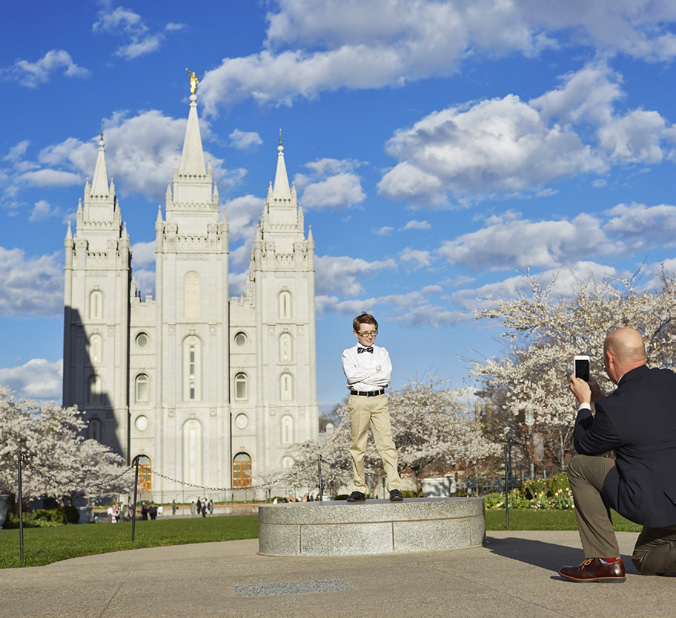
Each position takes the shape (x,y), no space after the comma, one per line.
(287,462)
(192,295)
(192,452)
(241,470)
(95,349)
(241,387)
(96,305)
(285,305)
(286,387)
(145,477)
(285,348)
(95,390)
(192,368)
(287,430)
(94,429)
(142,388)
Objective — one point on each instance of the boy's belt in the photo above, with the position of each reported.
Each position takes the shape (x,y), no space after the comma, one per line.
(368,393)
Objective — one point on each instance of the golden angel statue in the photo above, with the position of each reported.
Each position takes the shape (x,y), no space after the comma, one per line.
(193,81)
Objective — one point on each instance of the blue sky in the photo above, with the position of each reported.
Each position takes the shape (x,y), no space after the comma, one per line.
(439,149)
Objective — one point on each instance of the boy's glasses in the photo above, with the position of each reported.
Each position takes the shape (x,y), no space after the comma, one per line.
(369,334)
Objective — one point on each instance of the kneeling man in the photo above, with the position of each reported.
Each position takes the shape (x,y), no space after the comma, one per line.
(637,421)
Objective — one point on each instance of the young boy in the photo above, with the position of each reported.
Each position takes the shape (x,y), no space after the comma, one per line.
(368,370)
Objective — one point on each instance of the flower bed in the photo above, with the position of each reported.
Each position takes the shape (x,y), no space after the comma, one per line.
(553,493)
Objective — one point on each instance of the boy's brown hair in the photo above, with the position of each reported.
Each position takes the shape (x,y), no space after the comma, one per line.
(364,318)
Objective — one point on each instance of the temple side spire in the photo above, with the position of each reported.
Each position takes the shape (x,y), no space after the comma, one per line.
(100,181)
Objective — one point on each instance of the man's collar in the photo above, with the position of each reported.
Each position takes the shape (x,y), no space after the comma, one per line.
(633,374)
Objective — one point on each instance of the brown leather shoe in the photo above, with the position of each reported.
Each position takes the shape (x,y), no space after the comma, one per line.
(593,570)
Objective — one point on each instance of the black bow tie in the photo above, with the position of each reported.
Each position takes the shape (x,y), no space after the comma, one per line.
(369,349)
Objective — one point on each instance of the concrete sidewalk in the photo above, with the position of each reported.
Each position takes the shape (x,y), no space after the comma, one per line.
(514,574)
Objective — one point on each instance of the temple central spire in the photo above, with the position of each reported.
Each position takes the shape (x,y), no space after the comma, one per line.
(192,159)
(281,189)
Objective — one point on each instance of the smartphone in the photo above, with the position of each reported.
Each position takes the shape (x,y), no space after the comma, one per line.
(582,367)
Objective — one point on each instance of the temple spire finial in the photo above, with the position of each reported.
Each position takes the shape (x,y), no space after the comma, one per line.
(281,186)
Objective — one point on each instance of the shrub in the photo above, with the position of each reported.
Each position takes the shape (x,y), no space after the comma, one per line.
(534,488)
(560,481)
(66,515)
(494,501)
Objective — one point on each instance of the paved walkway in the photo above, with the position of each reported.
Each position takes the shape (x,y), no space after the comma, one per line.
(514,574)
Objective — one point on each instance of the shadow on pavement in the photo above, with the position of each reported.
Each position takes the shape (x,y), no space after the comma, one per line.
(542,554)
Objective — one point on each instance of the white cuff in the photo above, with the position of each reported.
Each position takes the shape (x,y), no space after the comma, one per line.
(584,406)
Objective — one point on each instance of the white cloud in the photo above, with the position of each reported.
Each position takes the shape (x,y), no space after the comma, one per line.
(415,258)
(236,283)
(143,254)
(245,140)
(496,145)
(146,45)
(634,138)
(314,45)
(385,230)
(567,284)
(50,178)
(128,24)
(344,274)
(638,226)
(417,225)
(118,21)
(586,95)
(243,214)
(42,211)
(32,74)
(30,286)
(36,379)
(505,145)
(508,241)
(145,281)
(333,184)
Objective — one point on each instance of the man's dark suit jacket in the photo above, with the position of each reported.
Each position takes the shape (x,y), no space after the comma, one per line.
(638,422)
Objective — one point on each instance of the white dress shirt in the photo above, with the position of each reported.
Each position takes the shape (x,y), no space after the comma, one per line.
(367,371)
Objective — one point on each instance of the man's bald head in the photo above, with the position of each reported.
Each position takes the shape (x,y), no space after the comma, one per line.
(624,350)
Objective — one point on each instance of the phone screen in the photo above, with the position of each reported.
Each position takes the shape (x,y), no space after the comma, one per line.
(582,369)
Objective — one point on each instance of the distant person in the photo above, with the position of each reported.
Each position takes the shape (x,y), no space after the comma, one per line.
(144,511)
(199,507)
(193,509)
(173,506)
(368,371)
(211,506)
(152,511)
(637,421)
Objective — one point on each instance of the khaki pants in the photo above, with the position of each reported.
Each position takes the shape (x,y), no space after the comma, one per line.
(655,550)
(373,412)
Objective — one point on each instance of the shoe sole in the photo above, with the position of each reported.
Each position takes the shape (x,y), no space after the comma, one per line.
(596,580)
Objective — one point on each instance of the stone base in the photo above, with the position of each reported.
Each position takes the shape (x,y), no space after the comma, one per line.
(374,527)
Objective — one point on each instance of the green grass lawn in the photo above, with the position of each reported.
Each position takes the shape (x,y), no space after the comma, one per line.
(532,519)
(46,545)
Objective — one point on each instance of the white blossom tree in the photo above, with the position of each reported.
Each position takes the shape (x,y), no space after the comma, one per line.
(434,431)
(431,429)
(544,330)
(58,460)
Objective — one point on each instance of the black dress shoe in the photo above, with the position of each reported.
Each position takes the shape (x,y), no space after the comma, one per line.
(395,496)
(593,570)
(356,496)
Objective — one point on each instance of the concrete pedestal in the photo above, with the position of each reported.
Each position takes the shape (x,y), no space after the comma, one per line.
(372,527)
